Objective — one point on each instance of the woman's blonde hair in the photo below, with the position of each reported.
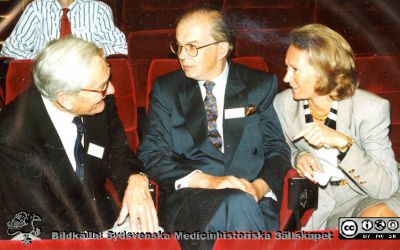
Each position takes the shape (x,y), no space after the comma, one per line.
(331,55)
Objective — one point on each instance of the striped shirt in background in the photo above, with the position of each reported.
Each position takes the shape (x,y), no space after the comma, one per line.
(40,23)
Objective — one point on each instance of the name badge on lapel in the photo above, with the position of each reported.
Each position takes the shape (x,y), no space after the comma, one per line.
(95,150)
(234,113)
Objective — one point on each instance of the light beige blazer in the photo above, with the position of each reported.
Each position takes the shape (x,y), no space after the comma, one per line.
(369,165)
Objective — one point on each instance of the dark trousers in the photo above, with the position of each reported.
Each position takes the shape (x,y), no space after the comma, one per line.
(224,210)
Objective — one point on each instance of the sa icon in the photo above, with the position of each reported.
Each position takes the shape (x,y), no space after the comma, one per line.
(349,228)
(393,225)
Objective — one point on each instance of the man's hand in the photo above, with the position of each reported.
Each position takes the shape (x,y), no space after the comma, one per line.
(257,189)
(138,204)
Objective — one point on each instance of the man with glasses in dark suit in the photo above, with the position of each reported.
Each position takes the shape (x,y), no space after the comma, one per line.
(213,142)
(61,140)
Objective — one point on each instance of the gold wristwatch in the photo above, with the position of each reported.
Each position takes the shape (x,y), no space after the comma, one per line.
(350,142)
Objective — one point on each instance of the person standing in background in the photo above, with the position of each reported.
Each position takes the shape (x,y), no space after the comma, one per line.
(46,20)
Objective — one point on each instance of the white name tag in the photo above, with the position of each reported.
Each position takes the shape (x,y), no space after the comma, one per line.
(234,113)
(95,150)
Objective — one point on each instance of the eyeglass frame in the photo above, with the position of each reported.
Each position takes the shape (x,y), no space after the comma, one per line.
(184,46)
(104,91)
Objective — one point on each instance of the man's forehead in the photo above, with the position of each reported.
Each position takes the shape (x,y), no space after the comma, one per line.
(192,28)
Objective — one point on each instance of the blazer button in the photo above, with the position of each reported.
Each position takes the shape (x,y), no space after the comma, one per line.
(362,182)
(352,171)
(357,177)
(255,151)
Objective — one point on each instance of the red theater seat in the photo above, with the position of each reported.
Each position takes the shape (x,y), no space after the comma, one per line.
(270,44)
(371,27)
(285,212)
(265,4)
(379,73)
(125,98)
(19,77)
(357,14)
(143,46)
(372,41)
(155,14)
(275,14)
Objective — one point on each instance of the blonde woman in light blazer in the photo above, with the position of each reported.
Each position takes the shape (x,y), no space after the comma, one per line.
(338,134)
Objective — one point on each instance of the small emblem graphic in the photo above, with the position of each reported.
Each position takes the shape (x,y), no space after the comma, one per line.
(393,225)
(24,223)
(348,228)
(380,225)
(367,225)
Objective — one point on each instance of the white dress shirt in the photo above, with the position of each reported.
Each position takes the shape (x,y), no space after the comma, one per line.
(65,128)
(40,23)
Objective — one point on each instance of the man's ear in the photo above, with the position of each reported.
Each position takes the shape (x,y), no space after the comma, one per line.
(64,100)
(223,50)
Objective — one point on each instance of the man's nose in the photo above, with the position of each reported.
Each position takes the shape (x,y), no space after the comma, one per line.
(110,89)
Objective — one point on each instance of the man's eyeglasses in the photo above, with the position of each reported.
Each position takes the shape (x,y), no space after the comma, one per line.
(102,92)
(190,49)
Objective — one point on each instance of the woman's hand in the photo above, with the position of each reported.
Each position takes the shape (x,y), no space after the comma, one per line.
(306,165)
(322,136)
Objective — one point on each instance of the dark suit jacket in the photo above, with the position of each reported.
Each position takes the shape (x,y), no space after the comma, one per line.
(176,142)
(37,177)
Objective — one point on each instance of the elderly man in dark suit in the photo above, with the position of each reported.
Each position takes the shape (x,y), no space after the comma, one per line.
(61,140)
(213,142)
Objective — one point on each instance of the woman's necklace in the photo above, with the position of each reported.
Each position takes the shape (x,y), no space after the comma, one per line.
(318,117)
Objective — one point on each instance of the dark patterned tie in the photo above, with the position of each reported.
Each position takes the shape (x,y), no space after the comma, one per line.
(78,149)
(65,25)
(210,105)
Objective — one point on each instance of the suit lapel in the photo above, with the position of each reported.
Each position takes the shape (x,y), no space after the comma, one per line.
(296,115)
(234,98)
(192,107)
(58,164)
(343,122)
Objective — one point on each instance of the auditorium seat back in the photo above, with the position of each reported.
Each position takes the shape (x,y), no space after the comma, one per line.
(379,73)
(125,97)
(144,46)
(19,77)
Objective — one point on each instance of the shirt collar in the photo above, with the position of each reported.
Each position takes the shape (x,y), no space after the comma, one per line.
(57,116)
(221,79)
(59,7)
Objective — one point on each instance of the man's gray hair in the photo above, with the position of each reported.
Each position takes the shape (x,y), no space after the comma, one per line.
(63,66)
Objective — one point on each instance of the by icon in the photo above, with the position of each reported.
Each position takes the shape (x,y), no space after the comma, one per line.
(367,225)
